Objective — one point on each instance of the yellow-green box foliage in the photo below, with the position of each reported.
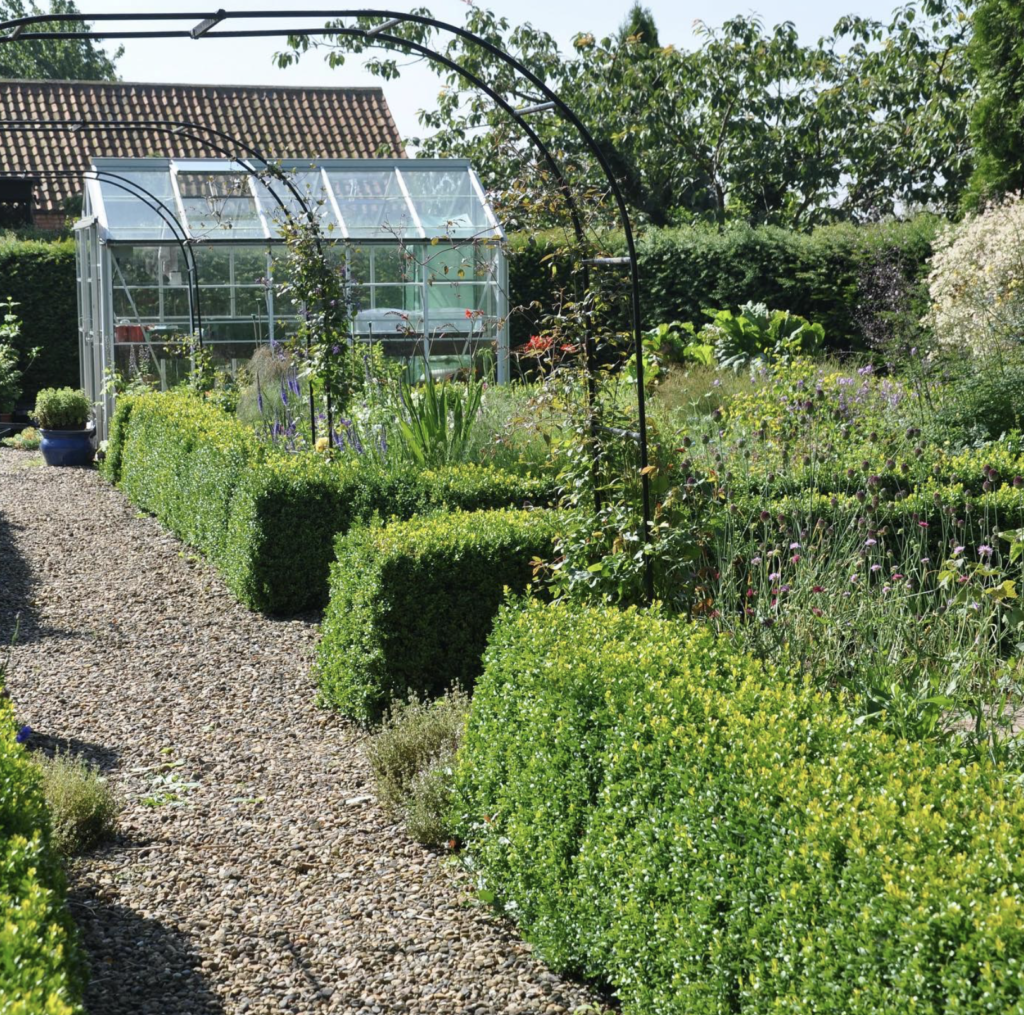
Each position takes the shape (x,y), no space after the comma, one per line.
(707,835)
(412,603)
(268,519)
(40,969)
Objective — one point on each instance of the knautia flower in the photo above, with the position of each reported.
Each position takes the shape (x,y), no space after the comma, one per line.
(985,550)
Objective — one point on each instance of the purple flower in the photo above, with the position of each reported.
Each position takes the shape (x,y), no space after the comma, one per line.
(876,567)
(871,542)
(23,734)
(794,546)
(985,550)
(774,576)
(957,550)
(853,578)
(755,560)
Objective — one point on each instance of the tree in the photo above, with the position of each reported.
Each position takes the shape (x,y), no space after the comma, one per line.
(751,125)
(54,59)
(997,121)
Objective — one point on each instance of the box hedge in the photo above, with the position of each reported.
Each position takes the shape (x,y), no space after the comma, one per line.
(268,519)
(705,834)
(40,966)
(412,603)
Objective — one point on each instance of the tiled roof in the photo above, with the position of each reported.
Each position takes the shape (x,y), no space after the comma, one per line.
(279,122)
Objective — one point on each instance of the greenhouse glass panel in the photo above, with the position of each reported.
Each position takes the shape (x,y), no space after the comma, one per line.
(372,203)
(446,202)
(281,203)
(219,205)
(126,216)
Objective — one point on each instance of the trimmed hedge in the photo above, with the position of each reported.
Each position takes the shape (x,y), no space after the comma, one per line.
(268,520)
(40,970)
(676,819)
(40,275)
(412,604)
(829,275)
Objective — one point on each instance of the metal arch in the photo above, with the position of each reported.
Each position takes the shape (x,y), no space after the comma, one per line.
(152,202)
(396,17)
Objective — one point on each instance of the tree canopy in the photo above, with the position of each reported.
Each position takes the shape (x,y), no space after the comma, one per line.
(752,124)
(53,59)
(997,121)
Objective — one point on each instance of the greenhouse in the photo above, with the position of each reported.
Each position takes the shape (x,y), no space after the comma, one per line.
(171,248)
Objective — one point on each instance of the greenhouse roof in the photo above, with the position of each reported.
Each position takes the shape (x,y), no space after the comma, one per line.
(217,200)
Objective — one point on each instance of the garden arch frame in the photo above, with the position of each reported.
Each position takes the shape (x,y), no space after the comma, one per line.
(20,29)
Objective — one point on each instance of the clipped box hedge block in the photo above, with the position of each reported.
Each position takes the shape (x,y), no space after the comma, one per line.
(705,834)
(40,966)
(267,519)
(412,603)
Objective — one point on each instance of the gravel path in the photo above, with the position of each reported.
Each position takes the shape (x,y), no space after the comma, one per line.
(254,872)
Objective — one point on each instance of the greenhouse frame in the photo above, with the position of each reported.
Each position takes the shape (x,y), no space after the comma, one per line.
(419,242)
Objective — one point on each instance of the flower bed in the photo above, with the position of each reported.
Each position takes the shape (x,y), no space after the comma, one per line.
(703,833)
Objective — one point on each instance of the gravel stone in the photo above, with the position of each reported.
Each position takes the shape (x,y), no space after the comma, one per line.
(253,872)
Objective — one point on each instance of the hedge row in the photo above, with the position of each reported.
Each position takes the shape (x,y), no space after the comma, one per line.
(704,834)
(412,603)
(844,277)
(40,275)
(40,970)
(266,519)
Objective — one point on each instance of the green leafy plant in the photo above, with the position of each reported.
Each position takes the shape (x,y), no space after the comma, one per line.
(757,334)
(436,419)
(10,373)
(62,409)
(28,440)
(83,806)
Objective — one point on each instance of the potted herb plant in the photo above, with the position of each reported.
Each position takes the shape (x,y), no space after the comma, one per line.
(62,415)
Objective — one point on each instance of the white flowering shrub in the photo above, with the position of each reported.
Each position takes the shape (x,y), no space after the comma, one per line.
(977,280)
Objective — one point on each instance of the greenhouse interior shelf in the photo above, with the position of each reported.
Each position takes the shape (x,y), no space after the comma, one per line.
(417,238)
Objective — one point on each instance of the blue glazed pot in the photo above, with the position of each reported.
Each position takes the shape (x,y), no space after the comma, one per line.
(67,447)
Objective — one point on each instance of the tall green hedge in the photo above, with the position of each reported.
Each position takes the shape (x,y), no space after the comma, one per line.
(40,966)
(268,520)
(836,275)
(40,275)
(709,835)
(412,604)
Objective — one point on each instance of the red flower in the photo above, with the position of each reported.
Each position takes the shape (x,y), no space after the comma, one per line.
(817,588)
(539,343)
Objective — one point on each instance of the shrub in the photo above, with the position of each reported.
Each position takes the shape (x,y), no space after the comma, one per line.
(980,407)
(62,409)
(411,759)
(83,807)
(40,968)
(687,824)
(411,604)
(977,280)
(268,519)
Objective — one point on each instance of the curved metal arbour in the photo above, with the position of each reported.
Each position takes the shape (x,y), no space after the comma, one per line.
(206,28)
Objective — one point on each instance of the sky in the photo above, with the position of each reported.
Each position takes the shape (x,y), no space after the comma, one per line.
(250,61)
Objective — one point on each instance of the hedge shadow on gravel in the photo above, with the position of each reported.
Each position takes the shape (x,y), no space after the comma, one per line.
(16,585)
(103,758)
(137,966)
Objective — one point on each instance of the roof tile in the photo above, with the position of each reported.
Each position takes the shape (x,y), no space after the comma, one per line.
(280,122)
